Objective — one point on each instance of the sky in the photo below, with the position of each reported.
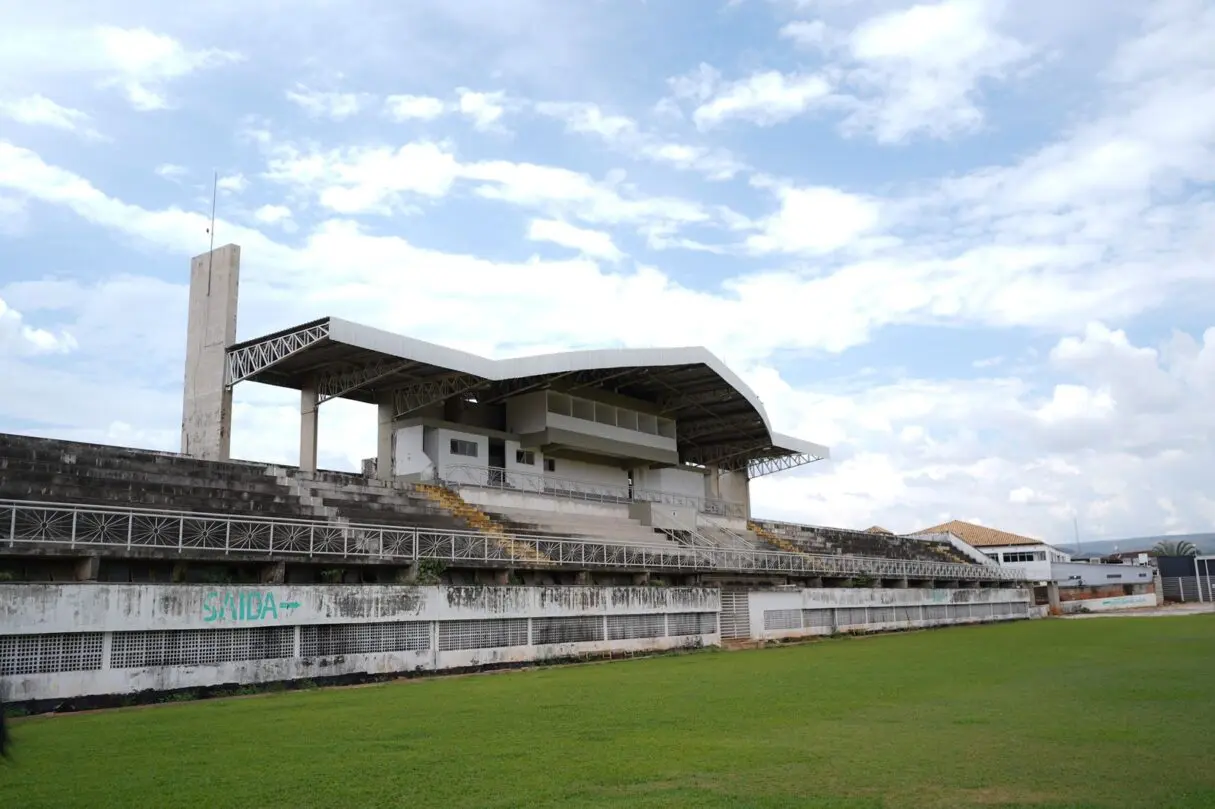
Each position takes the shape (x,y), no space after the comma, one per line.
(966,244)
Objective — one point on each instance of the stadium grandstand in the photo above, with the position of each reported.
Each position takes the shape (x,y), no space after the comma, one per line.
(625,468)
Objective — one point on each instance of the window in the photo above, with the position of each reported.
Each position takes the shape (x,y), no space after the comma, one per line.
(1019,557)
(525,457)
(550,465)
(460,447)
(1114,576)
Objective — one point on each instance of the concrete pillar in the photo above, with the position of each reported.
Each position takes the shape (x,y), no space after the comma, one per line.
(814,582)
(901,583)
(383,444)
(308,428)
(583,577)
(206,418)
(407,574)
(641,579)
(87,568)
(273,573)
(1052,596)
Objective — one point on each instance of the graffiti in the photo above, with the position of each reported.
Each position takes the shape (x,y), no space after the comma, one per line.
(244,605)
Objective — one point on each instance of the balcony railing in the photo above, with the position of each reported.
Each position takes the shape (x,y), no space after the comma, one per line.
(84,529)
(493,477)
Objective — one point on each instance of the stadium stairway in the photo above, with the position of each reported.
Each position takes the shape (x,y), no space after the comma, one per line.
(458,507)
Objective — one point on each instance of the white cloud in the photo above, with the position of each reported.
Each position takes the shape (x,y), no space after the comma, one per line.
(900,73)
(920,70)
(22,339)
(138,62)
(381,180)
(325,104)
(38,110)
(274,215)
(593,243)
(763,98)
(232,183)
(914,453)
(411,107)
(171,171)
(485,110)
(623,133)
(815,221)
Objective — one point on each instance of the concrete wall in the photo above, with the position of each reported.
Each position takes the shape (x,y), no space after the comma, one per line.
(733,487)
(662,515)
(206,420)
(439,449)
(521,475)
(1110,604)
(591,474)
(683,482)
(527,413)
(409,456)
(792,613)
(130,638)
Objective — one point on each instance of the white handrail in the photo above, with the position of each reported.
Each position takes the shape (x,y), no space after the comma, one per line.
(80,527)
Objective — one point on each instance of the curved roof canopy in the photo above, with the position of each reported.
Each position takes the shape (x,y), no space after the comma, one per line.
(719,420)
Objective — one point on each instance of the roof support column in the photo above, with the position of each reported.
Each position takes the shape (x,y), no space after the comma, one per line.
(384,438)
(308,427)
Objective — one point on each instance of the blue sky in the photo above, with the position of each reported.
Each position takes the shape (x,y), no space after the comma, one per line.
(967,244)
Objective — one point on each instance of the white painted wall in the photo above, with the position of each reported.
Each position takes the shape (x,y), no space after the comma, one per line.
(779,614)
(524,476)
(107,614)
(1037,570)
(444,460)
(409,455)
(1097,575)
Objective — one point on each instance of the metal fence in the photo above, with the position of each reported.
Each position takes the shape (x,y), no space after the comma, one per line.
(80,528)
(492,477)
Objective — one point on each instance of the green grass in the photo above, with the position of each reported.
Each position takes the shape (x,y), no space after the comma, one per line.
(1101,713)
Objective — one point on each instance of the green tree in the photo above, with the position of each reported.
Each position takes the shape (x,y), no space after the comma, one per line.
(1174,547)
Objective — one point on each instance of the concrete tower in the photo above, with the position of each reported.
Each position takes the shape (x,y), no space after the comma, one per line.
(206,418)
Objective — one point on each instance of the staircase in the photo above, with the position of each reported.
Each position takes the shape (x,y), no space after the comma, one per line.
(458,507)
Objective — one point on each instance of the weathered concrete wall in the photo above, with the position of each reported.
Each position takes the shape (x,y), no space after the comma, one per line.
(206,419)
(793,613)
(1119,602)
(73,640)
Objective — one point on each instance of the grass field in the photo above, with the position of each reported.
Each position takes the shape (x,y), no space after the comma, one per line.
(1115,712)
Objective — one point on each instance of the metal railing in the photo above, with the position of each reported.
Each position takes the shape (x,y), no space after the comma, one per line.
(80,528)
(492,477)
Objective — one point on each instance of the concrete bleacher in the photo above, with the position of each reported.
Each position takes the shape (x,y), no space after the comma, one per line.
(820,540)
(92,474)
